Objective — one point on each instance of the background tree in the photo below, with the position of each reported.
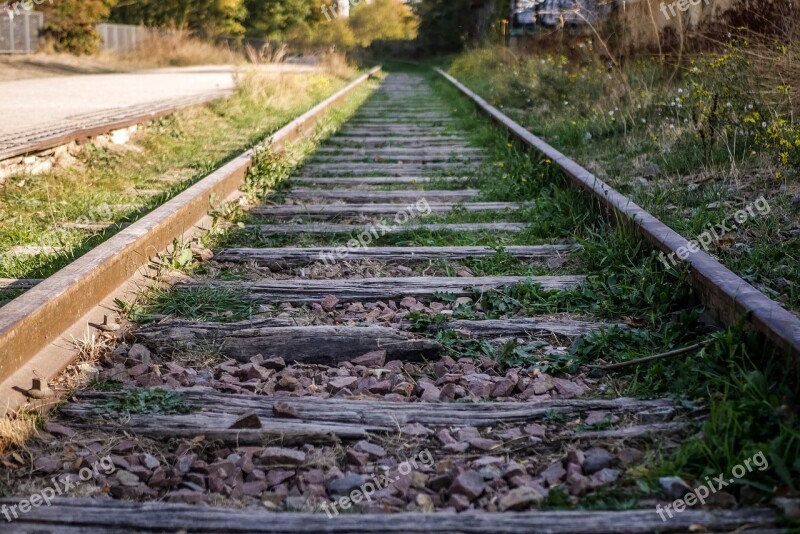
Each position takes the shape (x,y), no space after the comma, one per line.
(207,18)
(270,19)
(448,25)
(70,24)
(383,20)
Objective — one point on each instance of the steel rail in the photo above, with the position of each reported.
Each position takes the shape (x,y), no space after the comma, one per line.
(728,297)
(33,326)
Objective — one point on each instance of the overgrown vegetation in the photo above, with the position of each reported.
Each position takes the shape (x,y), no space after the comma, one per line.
(693,149)
(145,401)
(693,145)
(111,185)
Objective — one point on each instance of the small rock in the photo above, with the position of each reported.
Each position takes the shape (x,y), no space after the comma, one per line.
(360,459)
(48,464)
(140,352)
(577,484)
(126,478)
(371,359)
(554,473)
(284,409)
(469,484)
(576,456)
(341,383)
(596,459)
(139,370)
(592,418)
(346,484)
(276,364)
(674,487)
(288,383)
(629,455)
(445,437)
(448,392)
(404,388)
(59,430)
(376,451)
(567,388)
(457,447)
(520,499)
(483,444)
(604,477)
(459,502)
(277,476)
(329,303)
(415,430)
(556,263)
(253,489)
(430,393)
(281,456)
(150,461)
(408,302)
(534,430)
(480,388)
(503,388)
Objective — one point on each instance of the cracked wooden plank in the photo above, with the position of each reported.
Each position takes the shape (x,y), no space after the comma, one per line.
(282,257)
(368,289)
(325,211)
(327,345)
(106,516)
(383,197)
(329,228)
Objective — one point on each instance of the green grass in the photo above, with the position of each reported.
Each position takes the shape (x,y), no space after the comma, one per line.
(188,144)
(145,401)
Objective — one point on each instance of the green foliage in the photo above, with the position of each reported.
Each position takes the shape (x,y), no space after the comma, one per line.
(201,303)
(445,25)
(270,19)
(378,20)
(208,18)
(383,20)
(145,401)
(753,409)
(70,24)
(268,172)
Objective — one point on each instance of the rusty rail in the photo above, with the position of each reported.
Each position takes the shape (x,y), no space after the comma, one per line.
(32,325)
(728,297)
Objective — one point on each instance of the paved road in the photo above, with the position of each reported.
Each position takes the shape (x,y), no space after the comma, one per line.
(33,105)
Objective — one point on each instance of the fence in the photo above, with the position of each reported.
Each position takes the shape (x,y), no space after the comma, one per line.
(19,32)
(122,37)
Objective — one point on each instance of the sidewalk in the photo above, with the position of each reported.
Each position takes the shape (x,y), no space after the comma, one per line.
(36,108)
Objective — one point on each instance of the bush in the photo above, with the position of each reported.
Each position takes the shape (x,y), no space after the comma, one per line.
(70,24)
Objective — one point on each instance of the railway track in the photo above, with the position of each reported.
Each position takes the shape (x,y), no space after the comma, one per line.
(324,361)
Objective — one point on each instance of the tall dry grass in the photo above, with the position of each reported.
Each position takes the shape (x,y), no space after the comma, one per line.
(179,49)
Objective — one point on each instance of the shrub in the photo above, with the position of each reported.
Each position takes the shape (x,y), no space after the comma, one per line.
(70,24)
